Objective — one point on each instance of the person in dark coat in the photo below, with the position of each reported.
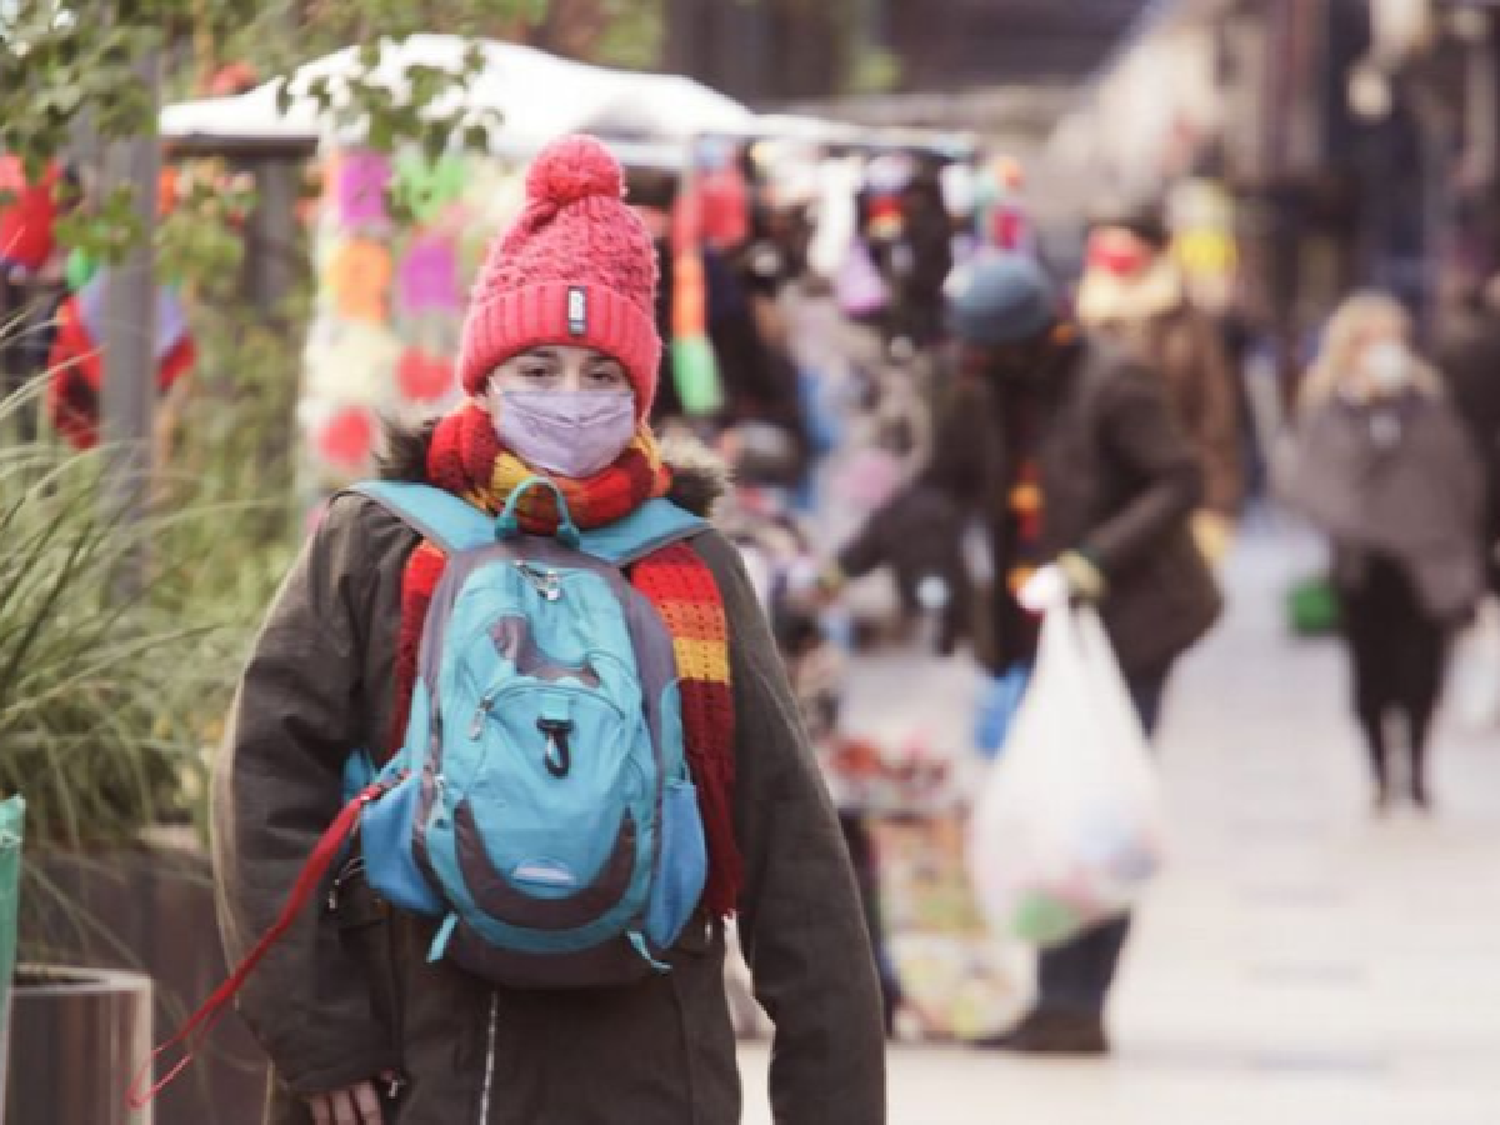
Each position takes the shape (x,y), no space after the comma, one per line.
(1382,466)
(1133,293)
(1068,452)
(1468,358)
(560,361)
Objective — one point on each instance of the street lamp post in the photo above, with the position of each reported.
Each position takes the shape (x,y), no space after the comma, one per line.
(127,403)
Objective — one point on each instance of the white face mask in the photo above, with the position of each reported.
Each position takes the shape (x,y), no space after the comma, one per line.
(1388,367)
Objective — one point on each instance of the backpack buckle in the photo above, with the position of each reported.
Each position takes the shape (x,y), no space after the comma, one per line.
(559,752)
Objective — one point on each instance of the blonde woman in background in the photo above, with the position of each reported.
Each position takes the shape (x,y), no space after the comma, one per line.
(1381,465)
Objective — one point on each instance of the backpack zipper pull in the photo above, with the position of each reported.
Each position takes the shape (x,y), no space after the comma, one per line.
(544,582)
(482,712)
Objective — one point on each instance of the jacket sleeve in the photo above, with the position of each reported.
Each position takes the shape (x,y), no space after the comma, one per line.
(801,924)
(1146,443)
(1218,424)
(958,462)
(954,473)
(278,784)
(870,549)
(1468,469)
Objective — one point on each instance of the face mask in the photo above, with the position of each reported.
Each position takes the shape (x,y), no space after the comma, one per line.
(1388,367)
(572,433)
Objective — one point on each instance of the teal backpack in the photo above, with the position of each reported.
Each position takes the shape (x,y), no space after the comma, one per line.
(541,804)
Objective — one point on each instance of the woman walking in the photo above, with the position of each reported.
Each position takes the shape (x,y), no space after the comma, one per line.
(368,1013)
(1383,467)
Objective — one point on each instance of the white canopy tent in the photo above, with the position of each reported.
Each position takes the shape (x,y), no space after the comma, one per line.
(537,96)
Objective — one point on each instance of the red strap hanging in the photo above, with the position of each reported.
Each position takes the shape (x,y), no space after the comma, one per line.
(200,1025)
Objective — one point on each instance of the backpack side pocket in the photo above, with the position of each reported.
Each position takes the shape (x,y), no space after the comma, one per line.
(387,839)
(683,867)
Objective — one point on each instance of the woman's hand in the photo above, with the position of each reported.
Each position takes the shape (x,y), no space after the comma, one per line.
(356,1105)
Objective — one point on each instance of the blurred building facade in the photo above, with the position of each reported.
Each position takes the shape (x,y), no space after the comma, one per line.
(776,51)
(1338,142)
(1355,139)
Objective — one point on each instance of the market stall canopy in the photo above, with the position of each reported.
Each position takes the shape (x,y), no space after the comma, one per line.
(537,96)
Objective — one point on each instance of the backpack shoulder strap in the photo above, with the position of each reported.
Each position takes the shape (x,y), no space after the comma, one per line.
(456,525)
(449,521)
(656,524)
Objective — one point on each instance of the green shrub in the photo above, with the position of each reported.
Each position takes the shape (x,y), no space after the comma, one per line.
(91,681)
(112,702)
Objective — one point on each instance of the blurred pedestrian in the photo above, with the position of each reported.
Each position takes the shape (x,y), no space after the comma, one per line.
(1067,451)
(1381,465)
(560,362)
(32,274)
(1468,357)
(1133,291)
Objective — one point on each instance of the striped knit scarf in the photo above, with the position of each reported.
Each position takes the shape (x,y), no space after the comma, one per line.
(466,458)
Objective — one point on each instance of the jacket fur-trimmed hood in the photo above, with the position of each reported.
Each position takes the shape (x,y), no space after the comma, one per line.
(699,478)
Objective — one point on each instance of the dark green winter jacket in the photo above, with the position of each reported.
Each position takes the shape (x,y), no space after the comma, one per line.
(349,992)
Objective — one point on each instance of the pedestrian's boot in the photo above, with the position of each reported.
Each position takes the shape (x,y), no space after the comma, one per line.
(1053,1033)
(1421,796)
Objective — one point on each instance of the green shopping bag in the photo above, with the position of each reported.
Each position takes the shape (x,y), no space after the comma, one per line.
(1313,607)
(12,818)
(696,373)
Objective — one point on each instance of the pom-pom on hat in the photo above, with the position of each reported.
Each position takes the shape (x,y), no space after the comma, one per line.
(577,267)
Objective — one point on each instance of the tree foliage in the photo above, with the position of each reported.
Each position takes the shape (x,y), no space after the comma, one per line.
(70,72)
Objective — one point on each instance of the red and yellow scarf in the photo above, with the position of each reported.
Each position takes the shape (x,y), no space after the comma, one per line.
(467,459)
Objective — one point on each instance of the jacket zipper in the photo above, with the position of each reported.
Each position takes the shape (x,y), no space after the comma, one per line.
(489,1060)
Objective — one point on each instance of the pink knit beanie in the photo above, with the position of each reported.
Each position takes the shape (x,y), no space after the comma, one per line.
(577,267)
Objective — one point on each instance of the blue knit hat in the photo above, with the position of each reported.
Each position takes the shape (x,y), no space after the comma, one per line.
(1003,299)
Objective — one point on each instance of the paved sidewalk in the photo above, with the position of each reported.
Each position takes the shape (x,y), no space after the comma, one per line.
(1301,964)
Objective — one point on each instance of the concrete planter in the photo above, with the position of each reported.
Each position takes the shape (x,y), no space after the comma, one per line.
(77,1037)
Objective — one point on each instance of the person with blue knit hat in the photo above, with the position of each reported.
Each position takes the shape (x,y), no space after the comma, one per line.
(1069,454)
(1002,299)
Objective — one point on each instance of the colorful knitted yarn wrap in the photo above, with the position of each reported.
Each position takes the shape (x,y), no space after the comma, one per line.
(466,458)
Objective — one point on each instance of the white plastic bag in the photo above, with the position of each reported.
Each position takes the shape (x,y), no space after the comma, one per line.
(1476,692)
(1069,828)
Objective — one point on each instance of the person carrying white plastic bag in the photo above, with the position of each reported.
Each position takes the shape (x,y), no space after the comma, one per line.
(1069,828)
(1066,452)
